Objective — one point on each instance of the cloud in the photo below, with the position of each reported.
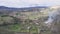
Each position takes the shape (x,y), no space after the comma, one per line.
(26,3)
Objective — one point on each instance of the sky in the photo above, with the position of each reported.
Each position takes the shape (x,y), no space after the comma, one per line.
(28,3)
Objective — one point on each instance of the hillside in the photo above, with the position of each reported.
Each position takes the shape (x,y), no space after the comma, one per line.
(30,21)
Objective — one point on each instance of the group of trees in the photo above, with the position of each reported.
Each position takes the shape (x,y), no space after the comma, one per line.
(15,24)
(26,25)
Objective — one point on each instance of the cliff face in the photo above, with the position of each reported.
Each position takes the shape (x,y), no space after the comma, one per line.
(53,21)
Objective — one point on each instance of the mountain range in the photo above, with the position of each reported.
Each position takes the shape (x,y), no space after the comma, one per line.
(26,8)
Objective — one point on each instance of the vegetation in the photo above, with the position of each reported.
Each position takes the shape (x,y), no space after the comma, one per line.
(30,22)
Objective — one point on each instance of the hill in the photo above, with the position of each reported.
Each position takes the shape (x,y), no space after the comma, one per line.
(21,9)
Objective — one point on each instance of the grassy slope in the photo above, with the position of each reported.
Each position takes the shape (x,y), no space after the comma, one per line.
(23,27)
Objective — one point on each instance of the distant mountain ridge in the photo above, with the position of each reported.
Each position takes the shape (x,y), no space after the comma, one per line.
(26,8)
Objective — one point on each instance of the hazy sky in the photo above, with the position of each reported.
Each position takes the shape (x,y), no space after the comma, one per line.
(26,3)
